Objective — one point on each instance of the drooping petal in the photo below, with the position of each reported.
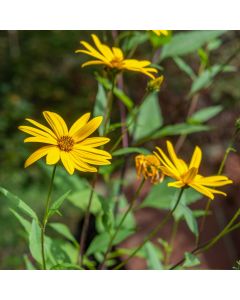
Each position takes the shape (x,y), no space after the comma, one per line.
(53,156)
(67,162)
(79,123)
(93,62)
(87,129)
(202,190)
(37,155)
(57,123)
(93,151)
(214,181)
(176,184)
(94,141)
(196,158)
(79,164)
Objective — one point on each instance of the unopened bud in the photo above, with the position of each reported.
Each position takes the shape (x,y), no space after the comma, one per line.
(155,84)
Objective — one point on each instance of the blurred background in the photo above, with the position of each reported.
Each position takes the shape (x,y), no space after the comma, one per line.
(40,71)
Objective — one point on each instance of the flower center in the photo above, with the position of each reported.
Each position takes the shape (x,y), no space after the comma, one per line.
(65,143)
(116,62)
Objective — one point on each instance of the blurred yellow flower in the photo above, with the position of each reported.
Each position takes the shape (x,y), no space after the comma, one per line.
(73,147)
(148,167)
(187,175)
(113,58)
(161,32)
(155,84)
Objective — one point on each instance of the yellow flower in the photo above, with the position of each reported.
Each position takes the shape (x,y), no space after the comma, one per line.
(148,167)
(113,58)
(155,84)
(73,147)
(187,175)
(161,32)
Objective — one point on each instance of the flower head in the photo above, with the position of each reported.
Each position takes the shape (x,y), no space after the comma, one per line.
(148,167)
(113,58)
(155,84)
(161,32)
(187,175)
(72,146)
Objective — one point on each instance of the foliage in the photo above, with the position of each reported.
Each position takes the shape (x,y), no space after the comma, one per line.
(41,72)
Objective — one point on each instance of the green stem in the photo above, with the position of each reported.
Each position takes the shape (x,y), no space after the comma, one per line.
(109,106)
(121,222)
(45,218)
(86,222)
(205,246)
(220,170)
(172,238)
(153,232)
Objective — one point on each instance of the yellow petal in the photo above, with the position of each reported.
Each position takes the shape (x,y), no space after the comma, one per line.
(166,161)
(57,123)
(37,155)
(44,128)
(190,175)
(91,151)
(87,129)
(94,62)
(91,51)
(79,164)
(79,123)
(177,184)
(177,162)
(38,139)
(37,133)
(67,162)
(117,53)
(196,158)
(104,49)
(214,181)
(202,190)
(94,141)
(53,156)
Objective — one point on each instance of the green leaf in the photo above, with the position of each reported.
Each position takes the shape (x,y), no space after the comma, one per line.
(179,129)
(25,223)
(184,67)
(205,114)
(134,40)
(61,252)
(117,92)
(129,222)
(16,202)
(101,241)
(64,231)
(162,197)
(56,205)
(128,150)
(28,263)
(153,258)
(100,105)
(185,212)
(66,266)
(188,42)
(149,118)
(35,242)
(206,77)
(190,260)
(81,198)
